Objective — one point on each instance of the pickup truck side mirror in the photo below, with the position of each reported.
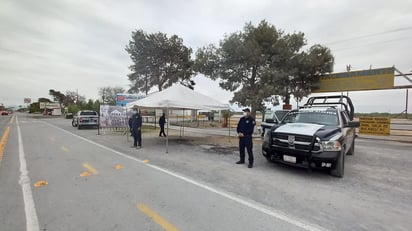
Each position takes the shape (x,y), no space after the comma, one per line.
(353,124)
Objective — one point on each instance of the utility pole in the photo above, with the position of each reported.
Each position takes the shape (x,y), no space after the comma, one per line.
(103,96)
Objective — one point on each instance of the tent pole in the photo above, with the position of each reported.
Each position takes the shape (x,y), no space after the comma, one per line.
(180,128)
(127,126)
(229,125)
(167,130)
(100,113)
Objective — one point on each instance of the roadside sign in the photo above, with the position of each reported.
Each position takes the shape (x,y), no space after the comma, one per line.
(53,105)
(123,99)
(375,125)
(372,79)
(48,105)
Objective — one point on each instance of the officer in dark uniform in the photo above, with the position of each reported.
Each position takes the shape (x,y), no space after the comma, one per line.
(137,130)
(162,121)
(245,130)
(131,125)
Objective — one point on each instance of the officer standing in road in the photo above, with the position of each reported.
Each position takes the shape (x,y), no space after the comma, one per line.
(162,121)
(137,130)
(245,131)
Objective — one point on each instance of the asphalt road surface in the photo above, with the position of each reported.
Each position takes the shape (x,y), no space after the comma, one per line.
(97,182)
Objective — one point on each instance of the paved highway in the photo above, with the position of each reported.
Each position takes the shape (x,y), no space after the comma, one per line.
(91,182)
(133,196)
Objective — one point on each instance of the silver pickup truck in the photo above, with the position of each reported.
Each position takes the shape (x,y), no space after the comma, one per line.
(85,118)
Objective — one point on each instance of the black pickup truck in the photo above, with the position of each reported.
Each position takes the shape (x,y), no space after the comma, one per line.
(271,118)
(318,135)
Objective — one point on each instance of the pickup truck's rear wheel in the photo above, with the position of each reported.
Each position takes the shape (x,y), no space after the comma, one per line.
(340,165)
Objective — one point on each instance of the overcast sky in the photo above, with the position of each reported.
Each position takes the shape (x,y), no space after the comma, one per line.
(78,44)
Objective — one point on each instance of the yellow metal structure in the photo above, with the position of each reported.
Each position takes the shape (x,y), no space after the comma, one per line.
(373,79)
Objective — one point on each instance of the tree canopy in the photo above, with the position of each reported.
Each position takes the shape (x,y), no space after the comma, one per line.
(57,96)
(72,97)
(158,61)
(261,61)
(108,94)
(72,100)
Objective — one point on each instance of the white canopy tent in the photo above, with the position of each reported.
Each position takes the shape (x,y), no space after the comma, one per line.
(178,97)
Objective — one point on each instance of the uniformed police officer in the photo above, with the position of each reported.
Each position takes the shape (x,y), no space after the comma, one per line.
(245,131)
(137,130)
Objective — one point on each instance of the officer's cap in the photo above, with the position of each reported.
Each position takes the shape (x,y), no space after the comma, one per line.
(246,110)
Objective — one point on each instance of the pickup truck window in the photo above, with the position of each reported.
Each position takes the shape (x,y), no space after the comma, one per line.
(281,114)
(276,115)
(345,118)
(92,113)
(268,115)
(323,118)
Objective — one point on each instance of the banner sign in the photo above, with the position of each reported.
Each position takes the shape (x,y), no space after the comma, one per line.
(375,125)
(123,99)
(114,116)
(373,79)
(47,105)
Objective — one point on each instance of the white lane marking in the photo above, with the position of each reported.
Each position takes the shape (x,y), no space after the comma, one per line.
(32,222)
(246,202)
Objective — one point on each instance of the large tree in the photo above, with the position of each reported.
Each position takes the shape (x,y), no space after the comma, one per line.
(261,61)
(73,97)
(108,94)
(158,61)
(58,97)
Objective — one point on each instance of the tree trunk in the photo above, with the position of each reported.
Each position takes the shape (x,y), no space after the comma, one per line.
(254,107)
(287,99)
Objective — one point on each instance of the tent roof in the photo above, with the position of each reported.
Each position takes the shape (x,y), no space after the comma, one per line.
(181,97)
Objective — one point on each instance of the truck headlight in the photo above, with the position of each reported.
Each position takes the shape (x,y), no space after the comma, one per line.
(332,145)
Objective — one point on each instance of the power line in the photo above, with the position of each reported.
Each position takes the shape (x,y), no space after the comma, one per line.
(369,35)
(370,44)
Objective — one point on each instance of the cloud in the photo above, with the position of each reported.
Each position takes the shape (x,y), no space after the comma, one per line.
(68,45)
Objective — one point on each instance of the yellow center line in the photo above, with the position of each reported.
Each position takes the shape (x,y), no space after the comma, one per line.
(156,218)
(3,141)
(90,168)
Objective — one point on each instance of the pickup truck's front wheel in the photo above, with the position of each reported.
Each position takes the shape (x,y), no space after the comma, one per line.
(352,148)
(340,165)
(268,158)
